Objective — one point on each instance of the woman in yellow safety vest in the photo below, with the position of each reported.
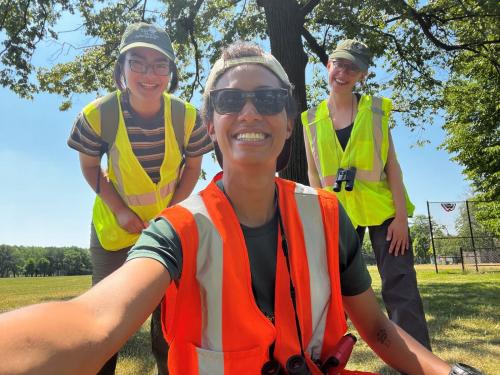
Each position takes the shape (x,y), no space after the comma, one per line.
(155,143)
(350,151)
(258,270)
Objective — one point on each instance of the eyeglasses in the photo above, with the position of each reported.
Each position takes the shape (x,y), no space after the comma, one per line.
(266,101)
(347,67)
(160,68)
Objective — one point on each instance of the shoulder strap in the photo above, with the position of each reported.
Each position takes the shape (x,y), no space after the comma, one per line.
(178,115)
(110,116)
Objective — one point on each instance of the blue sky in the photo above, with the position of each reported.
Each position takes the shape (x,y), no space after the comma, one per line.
(45,201)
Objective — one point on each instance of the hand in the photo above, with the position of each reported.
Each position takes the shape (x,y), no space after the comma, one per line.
(128,220)
(397,233)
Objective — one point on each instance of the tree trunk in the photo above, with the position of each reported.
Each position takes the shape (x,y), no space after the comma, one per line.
(284,23)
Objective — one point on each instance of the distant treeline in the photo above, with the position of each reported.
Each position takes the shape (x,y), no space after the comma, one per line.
(43,261)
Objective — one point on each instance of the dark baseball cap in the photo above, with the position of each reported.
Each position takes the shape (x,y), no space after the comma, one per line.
(354,51)
(143,34)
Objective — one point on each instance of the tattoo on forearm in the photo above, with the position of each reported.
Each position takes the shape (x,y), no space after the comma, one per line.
(383,338)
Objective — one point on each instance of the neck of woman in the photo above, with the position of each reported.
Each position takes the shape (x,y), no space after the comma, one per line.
(252,196)
(340,100)
(145,108)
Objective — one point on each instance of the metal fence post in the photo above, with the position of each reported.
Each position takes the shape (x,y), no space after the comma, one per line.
(432,237)
(462,258)
(471,234)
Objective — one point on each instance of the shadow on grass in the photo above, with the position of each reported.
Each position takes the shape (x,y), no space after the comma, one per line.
(136,356)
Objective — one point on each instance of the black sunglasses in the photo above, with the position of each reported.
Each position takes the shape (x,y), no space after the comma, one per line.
(266,101)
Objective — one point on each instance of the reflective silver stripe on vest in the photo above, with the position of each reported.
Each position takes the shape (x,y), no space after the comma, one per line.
(114,156)
(377,173)
(145,199)
(209,277)
(149,198)
(140,199)
(311,115)
(209,362)
(319,281)
(168,188)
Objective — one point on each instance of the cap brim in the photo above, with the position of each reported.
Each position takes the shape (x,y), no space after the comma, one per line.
(147,45)
(350,57)
(281,163)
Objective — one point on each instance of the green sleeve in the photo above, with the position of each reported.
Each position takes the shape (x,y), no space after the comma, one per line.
(354,276)
(159,241)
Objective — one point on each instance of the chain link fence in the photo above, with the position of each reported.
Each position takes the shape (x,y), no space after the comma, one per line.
(464,235)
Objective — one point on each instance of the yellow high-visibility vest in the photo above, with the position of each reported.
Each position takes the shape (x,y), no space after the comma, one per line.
(370,202)
(130,180)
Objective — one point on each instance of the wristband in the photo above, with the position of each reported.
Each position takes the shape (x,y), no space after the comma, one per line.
(463,369)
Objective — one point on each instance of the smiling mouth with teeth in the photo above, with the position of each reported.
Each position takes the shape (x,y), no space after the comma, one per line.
(250,137)
(148,85)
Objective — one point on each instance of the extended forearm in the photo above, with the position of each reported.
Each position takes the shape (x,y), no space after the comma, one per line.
(51,338)
(78,336)
(399,350)
(390,342)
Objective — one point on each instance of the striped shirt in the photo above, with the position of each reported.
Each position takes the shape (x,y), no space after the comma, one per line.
(147,137)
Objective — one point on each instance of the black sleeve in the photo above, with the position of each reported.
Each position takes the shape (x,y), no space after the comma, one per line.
(354,276)
(159,241)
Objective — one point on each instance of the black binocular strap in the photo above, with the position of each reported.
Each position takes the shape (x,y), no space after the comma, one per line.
(284,247)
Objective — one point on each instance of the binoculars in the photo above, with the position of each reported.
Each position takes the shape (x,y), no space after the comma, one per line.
(296,364)
(346,175)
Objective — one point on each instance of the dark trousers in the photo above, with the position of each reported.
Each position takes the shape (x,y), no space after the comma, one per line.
(399,284)
(159,345)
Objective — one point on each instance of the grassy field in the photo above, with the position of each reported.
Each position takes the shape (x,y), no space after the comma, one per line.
(463,312)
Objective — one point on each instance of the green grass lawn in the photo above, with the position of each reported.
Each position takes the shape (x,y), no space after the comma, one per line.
(463,312)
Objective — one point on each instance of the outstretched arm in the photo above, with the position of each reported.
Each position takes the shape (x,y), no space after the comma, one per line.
(391,343)
(78,336)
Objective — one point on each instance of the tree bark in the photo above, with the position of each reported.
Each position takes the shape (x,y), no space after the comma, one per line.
(284,25)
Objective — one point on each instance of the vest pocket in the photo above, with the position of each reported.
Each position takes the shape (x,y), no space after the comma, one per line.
(229,362)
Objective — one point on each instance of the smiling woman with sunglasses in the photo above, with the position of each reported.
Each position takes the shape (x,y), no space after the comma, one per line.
(154,144)
(348,141)
(256,270)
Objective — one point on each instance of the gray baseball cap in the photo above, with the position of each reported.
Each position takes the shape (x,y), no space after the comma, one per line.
(143,34)
(354,51)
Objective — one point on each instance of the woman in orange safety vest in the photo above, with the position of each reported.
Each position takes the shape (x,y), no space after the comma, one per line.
(262,268)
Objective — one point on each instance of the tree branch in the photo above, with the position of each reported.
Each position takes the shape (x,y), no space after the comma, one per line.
(315,47)
(144,10)
(307,8)
(188,23)
(425,26)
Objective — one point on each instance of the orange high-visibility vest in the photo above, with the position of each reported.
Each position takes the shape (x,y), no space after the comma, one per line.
(210,318)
